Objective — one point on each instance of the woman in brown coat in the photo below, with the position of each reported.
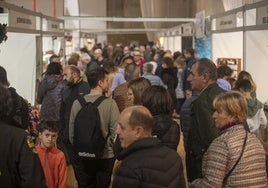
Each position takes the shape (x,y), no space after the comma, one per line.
(236,157)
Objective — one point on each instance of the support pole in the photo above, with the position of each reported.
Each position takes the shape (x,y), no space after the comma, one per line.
(54,9)
(34,5)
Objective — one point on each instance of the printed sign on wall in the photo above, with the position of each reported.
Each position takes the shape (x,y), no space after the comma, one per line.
(226,22)
(262,15)
(21,20)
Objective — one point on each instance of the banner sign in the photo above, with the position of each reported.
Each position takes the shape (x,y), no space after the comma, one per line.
(187,29)
(21,20)
(262,15)
(226,22)
(54,26)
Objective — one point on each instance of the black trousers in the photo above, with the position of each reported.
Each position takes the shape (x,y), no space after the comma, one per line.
(95,173)
(90,173)
(194,166)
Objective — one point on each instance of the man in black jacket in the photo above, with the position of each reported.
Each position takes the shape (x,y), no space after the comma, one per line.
(19,165)
(75,87)
(145,161)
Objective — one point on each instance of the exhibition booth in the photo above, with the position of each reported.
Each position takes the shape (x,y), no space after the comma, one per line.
(29,35)
(87,40)
(52,39)
(173,39)
(228,39)
(240,39)
(19,53)
(256,46)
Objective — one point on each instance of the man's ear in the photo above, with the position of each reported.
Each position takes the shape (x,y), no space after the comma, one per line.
(139,131)
(206,77)
(100,82)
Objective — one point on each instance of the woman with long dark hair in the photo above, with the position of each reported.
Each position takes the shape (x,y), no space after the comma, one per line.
(157,99)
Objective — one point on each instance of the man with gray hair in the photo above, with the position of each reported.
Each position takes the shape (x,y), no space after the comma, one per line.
(148,74)
(99,57)
(91,64)
(202,77)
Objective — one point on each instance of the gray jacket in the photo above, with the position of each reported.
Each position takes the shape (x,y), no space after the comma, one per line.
(49,96)
(154,79)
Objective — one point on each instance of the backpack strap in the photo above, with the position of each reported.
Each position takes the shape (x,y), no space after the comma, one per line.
(99,100)
(97,103)
(82,100)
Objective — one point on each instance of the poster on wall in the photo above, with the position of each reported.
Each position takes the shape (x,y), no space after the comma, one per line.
(200,24)
(233,63)
(203,47)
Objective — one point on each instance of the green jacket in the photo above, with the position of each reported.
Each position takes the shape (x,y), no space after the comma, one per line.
(202,131)
(109,114)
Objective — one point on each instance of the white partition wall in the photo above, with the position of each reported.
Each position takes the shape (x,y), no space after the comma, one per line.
(47,43)
(243,33)
(19,54)
(227,45)
(177,43)
(256,46)
(227,35)
(257,60)
(171,44)
(18,57)
(172,40)
(165,43)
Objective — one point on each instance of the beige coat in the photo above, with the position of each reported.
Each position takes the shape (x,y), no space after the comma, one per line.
(223,153)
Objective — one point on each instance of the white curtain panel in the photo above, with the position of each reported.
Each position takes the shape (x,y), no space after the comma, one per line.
(147,11)
(232,4)
(71,8)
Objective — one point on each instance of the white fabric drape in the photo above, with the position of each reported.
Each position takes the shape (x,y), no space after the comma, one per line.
(232,4)
(148,10)
(71,8)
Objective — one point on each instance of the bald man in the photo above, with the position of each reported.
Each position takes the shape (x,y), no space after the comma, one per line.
(99,57)
(145,161)
(75,87)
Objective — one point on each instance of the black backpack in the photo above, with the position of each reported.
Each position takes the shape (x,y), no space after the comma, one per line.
(88,141)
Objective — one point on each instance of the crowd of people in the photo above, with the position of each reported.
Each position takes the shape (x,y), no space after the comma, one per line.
(146,103)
